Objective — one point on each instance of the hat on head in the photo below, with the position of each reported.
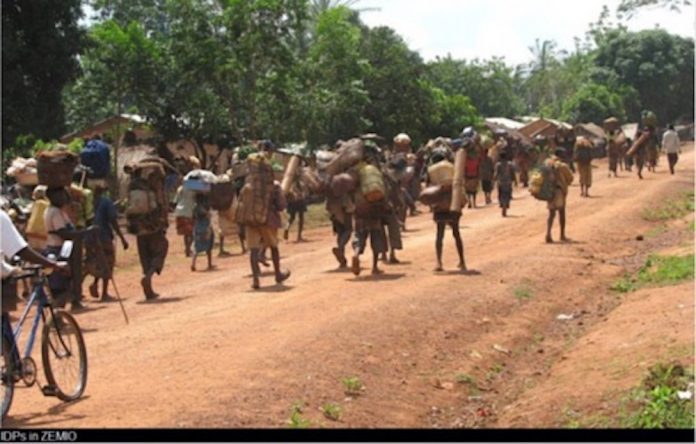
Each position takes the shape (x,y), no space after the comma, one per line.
(402,138)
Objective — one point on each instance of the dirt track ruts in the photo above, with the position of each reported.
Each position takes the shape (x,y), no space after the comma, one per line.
(213,353)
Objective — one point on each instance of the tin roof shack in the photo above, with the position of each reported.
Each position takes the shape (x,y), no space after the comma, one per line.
(590,130)
(127,128)
(544,127)
(505,123)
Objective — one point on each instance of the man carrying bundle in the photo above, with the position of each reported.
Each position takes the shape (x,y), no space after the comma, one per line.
(616,141)
(473,159)
(147,217)
(645,145)
(371,206)
(505,176)
(583,158)
(562,178)
(261,201)
(439,196)
(391,220)
(486,169)
(297,205)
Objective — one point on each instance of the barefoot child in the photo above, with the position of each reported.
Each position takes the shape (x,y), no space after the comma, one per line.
(203,236)
(505,176)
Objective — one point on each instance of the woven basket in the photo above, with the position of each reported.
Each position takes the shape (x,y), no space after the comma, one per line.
(55,168)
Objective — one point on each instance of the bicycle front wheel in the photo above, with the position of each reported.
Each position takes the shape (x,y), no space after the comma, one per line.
(7,374)
(64,356)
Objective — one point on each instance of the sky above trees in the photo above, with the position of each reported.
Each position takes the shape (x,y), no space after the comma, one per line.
(506,28)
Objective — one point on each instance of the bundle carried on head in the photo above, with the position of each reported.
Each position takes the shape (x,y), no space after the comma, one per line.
(612,124)
(347,156)
(55,168)
(24,171)
(583,143)
(255,196)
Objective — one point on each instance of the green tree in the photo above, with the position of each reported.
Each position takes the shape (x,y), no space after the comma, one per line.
(119,70)
(490,84)
(658,65)
(593,103)
(393,82)
(336,99)
(40,42)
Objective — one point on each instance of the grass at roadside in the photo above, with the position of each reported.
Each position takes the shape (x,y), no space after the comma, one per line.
(664,399)
(316,217)
(659,271)
(672,209)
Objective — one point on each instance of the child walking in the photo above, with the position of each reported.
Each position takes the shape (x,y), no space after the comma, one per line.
(203,235)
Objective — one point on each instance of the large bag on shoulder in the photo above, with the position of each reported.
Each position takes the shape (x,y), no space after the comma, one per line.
(441,173)
(542,183)
(145,202)
(221,195)
(347,156)
(372,183)
(255,196)
(97,157)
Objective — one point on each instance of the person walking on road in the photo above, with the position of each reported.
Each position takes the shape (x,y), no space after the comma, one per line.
(505,177)
(102,267)
(203,235)
(563,178)
(671,146)
(583,159)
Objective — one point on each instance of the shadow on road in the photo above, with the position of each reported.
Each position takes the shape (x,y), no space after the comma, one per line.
(378,277)
(273,289)
(458,273)
(29,419)
(161,300)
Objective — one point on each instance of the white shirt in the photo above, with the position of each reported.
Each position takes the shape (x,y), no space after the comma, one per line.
(670,142)
(11,242)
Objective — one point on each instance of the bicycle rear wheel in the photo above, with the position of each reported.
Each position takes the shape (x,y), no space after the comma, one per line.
(7,376)
(64,356)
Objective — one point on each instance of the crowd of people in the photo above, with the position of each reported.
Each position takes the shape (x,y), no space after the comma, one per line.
(369,188)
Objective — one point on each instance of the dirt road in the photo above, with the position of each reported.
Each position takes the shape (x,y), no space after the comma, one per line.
(212,353)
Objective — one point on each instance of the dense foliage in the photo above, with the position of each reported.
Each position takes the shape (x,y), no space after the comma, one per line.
(310,70)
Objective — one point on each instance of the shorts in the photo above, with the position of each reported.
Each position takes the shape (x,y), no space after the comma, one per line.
(184,226)
(261,237)
(487,186)
(394,232)
(378,241)
(504,196)
(559,200)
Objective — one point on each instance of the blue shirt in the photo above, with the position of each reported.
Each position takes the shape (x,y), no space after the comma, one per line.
(105,214)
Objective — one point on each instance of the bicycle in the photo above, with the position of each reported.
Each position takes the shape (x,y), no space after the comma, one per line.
(62,344)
